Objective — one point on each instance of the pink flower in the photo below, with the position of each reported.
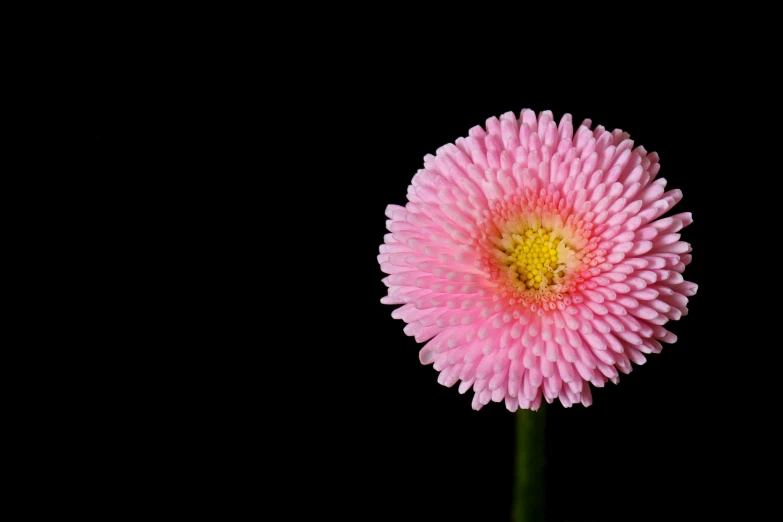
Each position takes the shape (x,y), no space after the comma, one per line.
(534,261)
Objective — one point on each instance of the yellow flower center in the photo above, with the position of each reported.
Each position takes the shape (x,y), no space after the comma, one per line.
(534,257)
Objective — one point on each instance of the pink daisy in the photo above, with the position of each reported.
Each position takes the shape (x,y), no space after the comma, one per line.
(534,260)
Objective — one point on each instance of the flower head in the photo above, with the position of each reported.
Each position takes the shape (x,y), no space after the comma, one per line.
(534,260)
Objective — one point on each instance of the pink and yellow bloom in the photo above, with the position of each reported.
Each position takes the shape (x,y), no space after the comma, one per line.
(534,261)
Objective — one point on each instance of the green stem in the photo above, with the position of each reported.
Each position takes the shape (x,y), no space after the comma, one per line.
(528,502)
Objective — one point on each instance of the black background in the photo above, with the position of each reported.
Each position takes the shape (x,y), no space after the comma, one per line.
(665,442)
